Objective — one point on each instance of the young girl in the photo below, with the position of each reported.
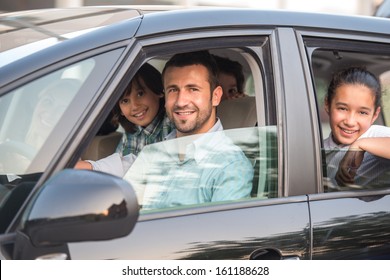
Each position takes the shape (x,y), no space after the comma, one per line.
(140,111)
(357,152)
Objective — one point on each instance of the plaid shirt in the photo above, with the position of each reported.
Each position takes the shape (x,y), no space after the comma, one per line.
(156,131)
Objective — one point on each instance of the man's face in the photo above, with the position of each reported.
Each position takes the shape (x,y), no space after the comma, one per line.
(189,102)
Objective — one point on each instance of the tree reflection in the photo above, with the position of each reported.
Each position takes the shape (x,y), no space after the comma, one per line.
(353,237)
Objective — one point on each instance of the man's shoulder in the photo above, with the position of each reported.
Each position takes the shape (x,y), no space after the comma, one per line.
(228,151)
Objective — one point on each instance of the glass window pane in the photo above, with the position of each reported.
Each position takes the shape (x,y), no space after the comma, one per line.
(343,123)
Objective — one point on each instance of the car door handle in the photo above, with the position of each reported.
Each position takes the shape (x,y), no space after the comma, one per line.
(271,254)
(53,256)
(291,258)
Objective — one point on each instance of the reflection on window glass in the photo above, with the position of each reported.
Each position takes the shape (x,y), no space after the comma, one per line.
(30,113)
(214,167)
(191,170)
(349,117)
(385,80)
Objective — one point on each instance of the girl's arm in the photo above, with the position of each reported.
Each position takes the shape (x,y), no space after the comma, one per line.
(378,146)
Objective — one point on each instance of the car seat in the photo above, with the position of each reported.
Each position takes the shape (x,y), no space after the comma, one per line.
(238,112)
(102,146)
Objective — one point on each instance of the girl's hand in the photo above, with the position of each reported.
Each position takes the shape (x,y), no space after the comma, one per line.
(349,166)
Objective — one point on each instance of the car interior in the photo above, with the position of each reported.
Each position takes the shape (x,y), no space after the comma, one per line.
(243,118)
(239,118)
(325,62)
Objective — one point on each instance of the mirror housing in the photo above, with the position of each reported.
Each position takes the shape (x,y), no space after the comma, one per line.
(81,205)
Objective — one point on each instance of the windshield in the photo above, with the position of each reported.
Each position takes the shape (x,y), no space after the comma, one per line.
(26,32)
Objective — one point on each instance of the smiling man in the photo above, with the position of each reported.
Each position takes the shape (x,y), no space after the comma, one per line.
(198,163)
(192,92)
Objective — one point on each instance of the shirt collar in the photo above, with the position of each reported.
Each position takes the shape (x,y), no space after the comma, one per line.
(201,146)
(217,127)
(330,144)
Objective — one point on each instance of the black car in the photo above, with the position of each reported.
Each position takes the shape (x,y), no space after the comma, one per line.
(50,210)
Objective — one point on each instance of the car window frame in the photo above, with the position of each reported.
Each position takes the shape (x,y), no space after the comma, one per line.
(167,45)
(349,42)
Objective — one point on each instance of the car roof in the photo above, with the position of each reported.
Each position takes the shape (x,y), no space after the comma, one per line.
(230,17)
(26,27)
(140,21)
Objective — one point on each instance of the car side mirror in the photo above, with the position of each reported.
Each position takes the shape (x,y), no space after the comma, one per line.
(81,205)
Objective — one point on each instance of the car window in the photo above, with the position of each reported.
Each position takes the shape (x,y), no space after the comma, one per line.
(23,33)
(374,171)
(34,110)
(236,164)
(385,80)
(30,113)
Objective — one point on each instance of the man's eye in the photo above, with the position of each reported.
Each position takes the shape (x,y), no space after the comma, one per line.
(171,90)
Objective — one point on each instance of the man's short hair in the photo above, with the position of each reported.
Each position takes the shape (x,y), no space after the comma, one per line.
(196,58)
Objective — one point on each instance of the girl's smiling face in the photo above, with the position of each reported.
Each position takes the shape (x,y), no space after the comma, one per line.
(141,105)
(351,112)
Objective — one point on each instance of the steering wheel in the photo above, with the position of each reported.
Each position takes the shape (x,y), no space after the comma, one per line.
(15,156)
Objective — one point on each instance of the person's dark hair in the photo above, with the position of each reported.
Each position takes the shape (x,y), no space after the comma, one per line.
(196,58)
(355,76)
(151,77)
(231,67)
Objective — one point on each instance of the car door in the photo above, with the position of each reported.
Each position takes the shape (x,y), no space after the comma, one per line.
(349,223)
(44,99)
(274,223)
(268,225)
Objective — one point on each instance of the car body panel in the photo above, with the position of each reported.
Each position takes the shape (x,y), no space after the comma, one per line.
(225,235)
(301,222)
(205,18)
(351,227)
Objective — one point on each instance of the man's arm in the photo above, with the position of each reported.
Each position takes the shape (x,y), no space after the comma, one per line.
(82,164)
(113,164)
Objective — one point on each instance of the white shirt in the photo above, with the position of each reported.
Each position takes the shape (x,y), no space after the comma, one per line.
(374,171)
(117,165)
(114,164)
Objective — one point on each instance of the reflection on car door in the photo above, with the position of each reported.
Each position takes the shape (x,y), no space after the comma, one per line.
(351,228)
(277,226)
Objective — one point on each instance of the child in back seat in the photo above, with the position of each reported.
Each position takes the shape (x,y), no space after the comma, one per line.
(141,113)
